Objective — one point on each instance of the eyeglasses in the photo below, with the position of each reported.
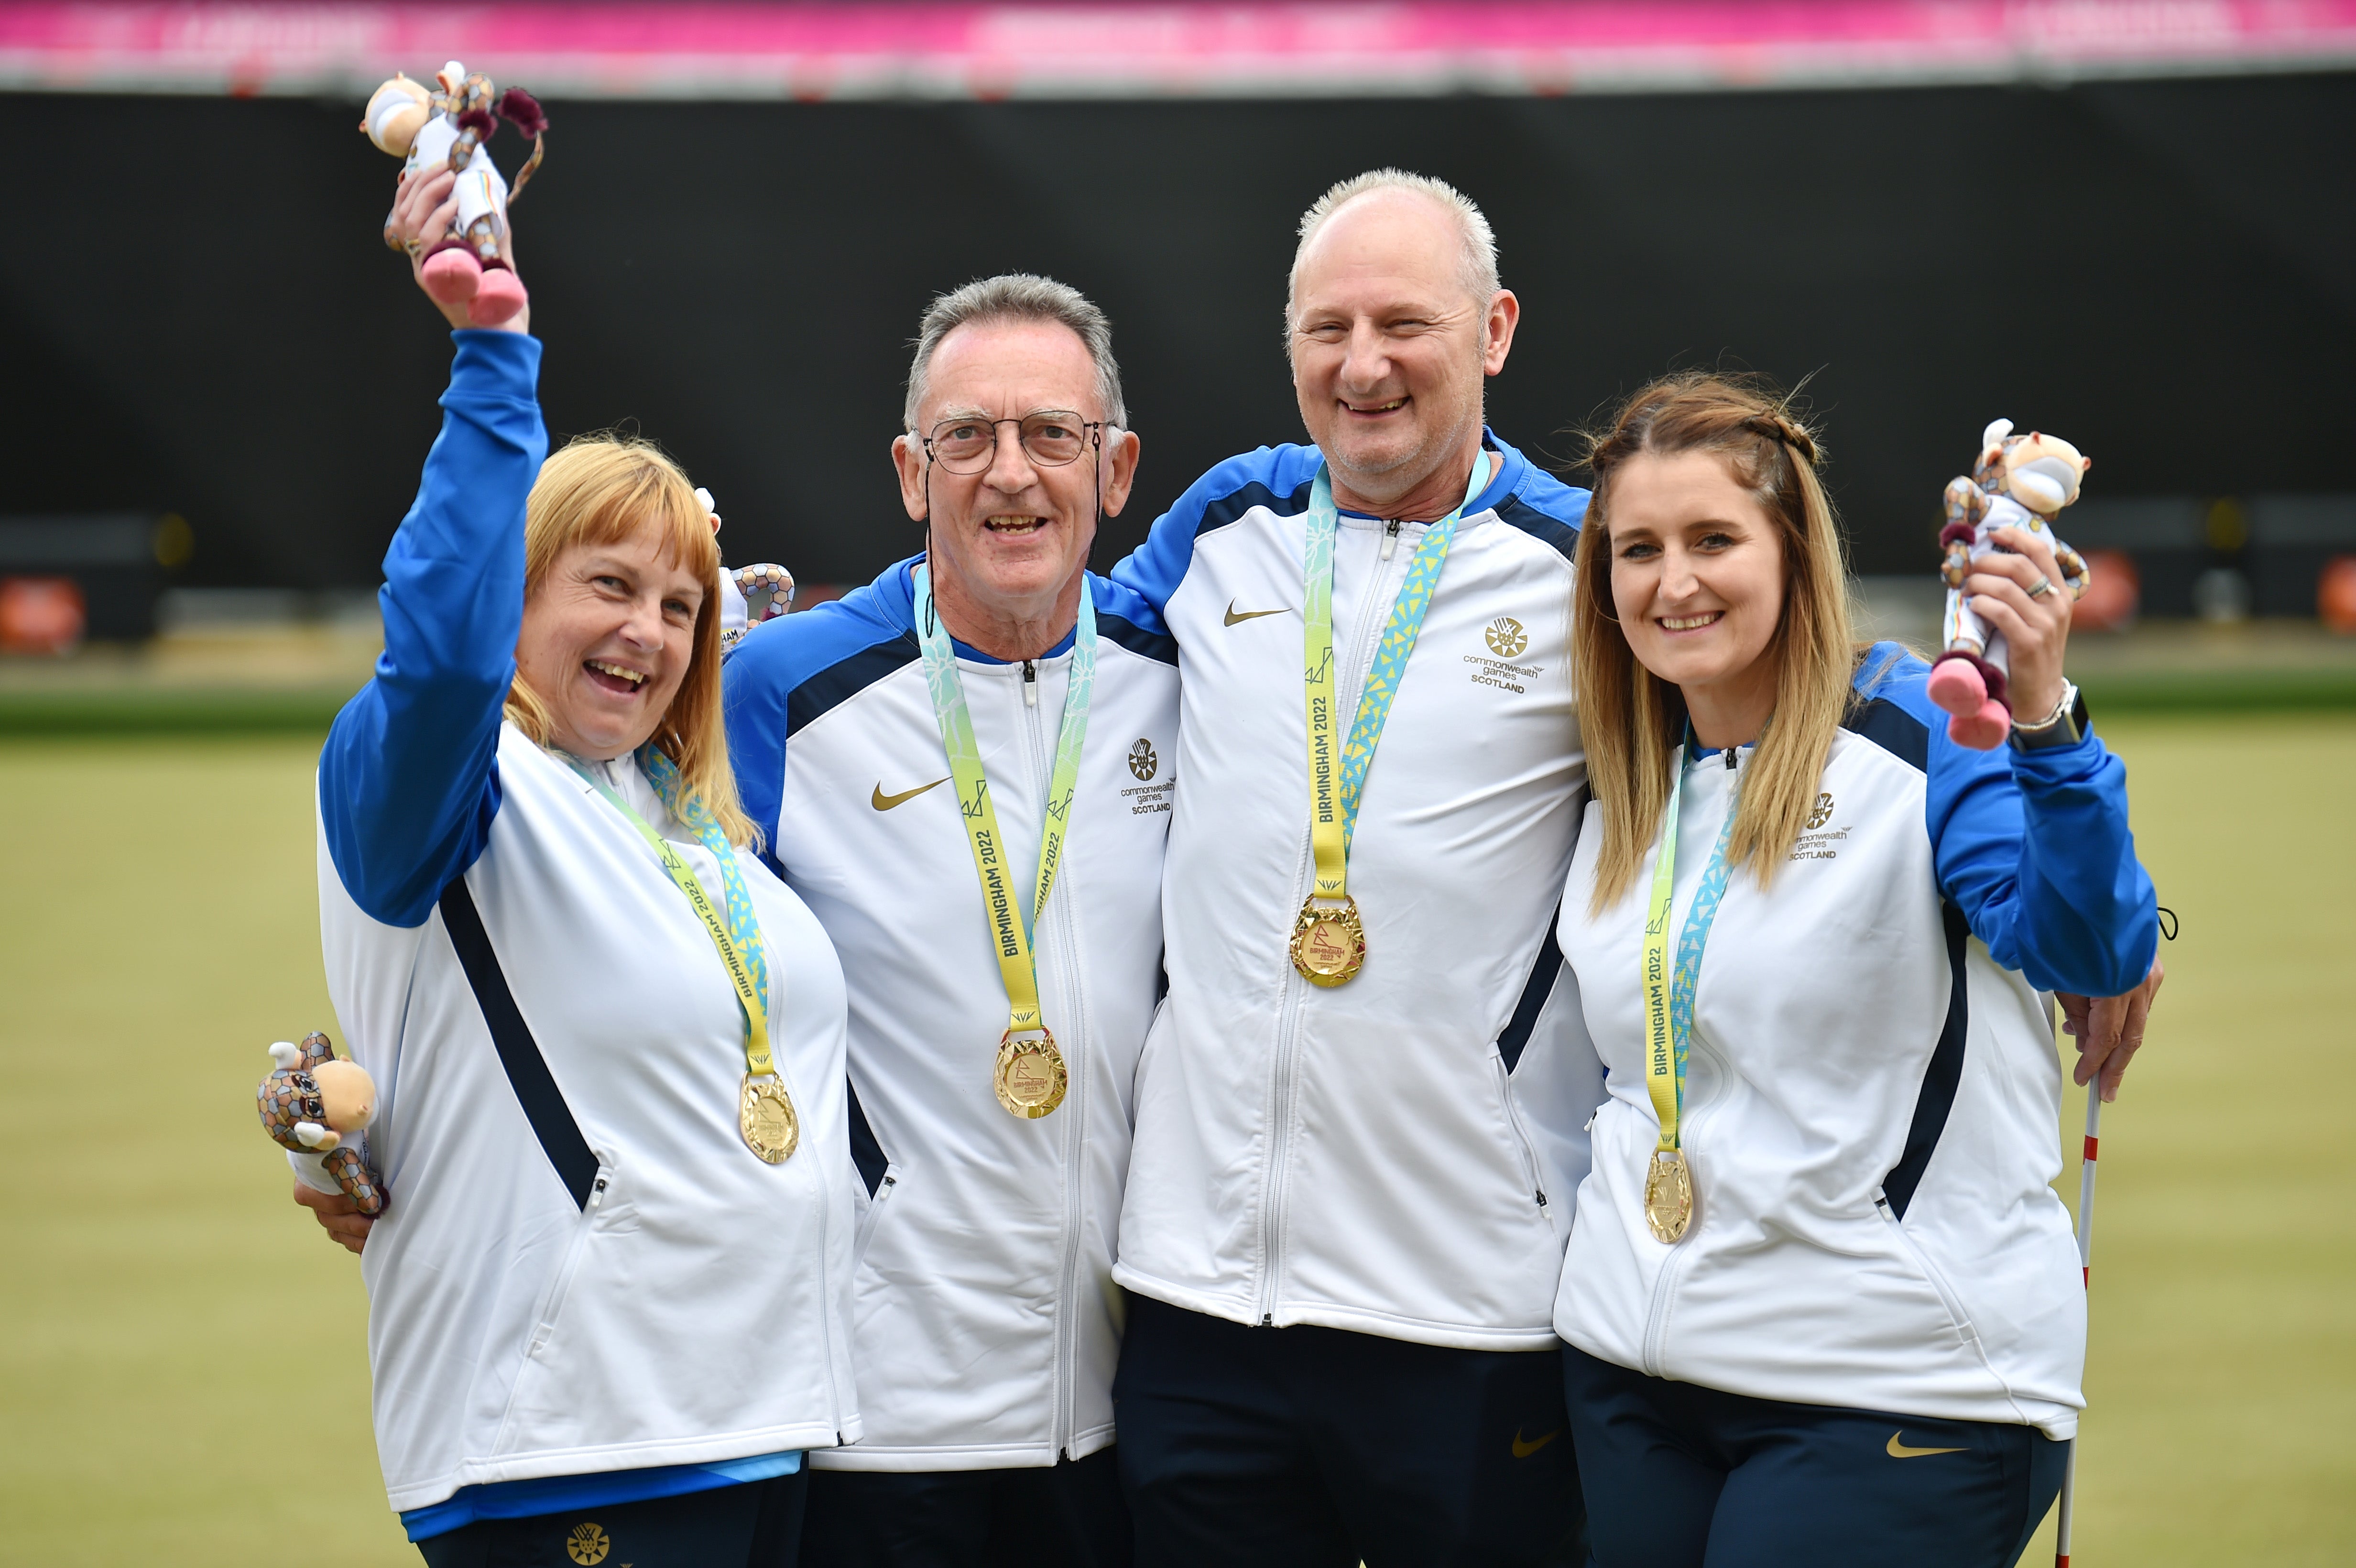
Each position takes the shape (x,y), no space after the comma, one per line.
(1051,438)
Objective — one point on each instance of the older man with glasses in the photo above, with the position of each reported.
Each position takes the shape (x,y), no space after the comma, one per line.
(1357,1121)
(964,768)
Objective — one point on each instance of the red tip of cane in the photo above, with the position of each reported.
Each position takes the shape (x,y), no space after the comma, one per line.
(2089,1151)
(2086,1279)
(2061,1560)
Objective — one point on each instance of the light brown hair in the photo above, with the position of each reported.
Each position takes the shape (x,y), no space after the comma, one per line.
(1631,719)
(601,490)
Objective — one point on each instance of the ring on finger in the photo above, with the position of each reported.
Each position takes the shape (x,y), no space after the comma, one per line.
(2040,588)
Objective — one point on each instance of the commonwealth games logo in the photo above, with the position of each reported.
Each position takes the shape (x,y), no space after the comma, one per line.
(1141,760)
(588,1543)
(1506,636)
(1823,813)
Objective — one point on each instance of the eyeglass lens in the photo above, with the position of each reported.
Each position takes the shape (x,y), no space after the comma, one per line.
(1051,438)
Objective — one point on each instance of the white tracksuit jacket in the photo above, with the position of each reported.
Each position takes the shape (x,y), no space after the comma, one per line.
(1872,1090)
(1391,1155)
(692,1307)
(985,1324)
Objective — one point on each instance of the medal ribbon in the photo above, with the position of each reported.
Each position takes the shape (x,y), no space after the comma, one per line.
(1669,995)
(742,951)
(1334,784)
(1010,921)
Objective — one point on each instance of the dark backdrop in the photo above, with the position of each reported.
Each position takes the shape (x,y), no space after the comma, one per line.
(196,315)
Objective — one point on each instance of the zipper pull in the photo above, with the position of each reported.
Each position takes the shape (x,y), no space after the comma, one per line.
(1390,538)
(1730,758)
(1030,684)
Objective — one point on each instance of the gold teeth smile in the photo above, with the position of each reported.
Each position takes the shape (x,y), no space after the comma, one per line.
(636,678)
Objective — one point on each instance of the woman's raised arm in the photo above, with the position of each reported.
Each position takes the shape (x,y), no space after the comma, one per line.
(406,784)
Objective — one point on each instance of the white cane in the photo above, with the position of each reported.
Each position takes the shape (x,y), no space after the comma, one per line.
(2086,1280)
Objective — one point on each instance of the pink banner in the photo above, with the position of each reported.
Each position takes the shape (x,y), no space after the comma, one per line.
(1056,49)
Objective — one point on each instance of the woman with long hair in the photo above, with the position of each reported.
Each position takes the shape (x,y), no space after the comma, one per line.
(1819,1299)
(607,1294)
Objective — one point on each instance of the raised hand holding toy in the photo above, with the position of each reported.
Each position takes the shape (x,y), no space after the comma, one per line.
(2020,482)
(448,130)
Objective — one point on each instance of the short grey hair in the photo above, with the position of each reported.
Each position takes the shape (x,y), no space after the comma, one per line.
(1478,263)
(1014,297)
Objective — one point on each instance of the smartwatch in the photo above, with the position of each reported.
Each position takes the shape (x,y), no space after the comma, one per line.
(2065,726)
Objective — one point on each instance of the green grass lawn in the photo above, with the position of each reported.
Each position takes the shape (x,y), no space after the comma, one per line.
(183,1364)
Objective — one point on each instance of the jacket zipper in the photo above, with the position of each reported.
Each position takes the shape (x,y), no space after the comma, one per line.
(556,1298)
(1364,640)
(1074,1111)
(864,1235)
(1521,1137)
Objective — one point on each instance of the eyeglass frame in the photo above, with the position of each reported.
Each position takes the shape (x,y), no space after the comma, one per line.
(1095,429)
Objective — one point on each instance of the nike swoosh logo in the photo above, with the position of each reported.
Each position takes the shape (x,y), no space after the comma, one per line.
(1523,1450)
(1232,618)
(882,801)
(1899,1450)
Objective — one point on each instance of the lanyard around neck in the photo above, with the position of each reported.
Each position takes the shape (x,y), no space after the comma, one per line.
(1669,995)
(1011,919)
(1337,775)
(742,951)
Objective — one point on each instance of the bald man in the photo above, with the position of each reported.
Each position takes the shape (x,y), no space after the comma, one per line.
(1344,1225)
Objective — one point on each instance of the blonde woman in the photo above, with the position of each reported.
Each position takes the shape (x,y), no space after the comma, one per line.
(1819,1299)
(607,1294)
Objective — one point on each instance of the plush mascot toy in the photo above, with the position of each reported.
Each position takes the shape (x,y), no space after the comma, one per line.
(314,1103)
(750,594)
(449,129)
(2020,482)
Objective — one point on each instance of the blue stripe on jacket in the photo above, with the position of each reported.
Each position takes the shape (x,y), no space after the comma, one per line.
(408,783)
(2033,846)
(1280,477)
(785,673)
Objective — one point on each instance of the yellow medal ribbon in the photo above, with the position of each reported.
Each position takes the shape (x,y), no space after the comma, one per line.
(1669,1007)
(1031,1076)
(1328,940)
(764,1114)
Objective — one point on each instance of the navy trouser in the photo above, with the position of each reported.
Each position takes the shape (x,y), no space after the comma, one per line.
(757,1524)
(1066,1516)
(1683,1477)
(1305,1447)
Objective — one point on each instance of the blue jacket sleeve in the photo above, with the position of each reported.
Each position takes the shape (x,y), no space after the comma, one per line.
(1276,477)
(2034,848)
(407,783)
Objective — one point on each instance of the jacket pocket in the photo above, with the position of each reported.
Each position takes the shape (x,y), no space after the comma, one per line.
(561,1286)
(1524,1152)
(553,1300)
(872,1215)
(1931,1273)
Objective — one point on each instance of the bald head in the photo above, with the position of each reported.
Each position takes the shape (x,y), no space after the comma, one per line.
(1420,200)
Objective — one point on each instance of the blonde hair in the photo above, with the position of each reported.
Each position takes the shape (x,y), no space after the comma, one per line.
(600,490)
(1630,718)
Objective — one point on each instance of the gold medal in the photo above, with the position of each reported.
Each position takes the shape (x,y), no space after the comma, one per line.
(1031,1078)
(764,1114)
(1328,942)
(1668,1195)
